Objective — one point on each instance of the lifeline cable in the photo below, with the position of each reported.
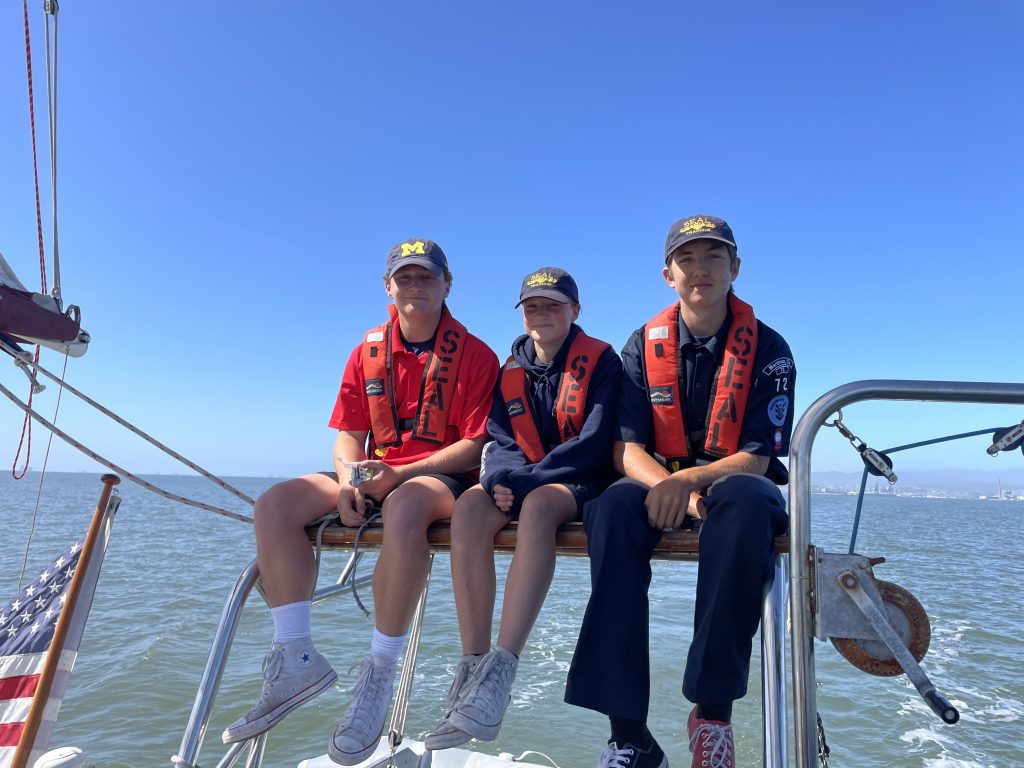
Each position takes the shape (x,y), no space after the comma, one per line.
(120,470)
(22,359)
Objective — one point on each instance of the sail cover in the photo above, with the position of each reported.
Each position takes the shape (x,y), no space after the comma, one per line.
(35,318)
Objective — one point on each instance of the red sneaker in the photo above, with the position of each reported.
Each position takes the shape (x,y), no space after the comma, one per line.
(710,742)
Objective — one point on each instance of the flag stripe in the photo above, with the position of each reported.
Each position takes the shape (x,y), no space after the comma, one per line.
(22,664)
(15,712)
(18,687)
(10,733)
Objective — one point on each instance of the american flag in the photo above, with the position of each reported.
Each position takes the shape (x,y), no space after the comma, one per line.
(26,633)
(40,632)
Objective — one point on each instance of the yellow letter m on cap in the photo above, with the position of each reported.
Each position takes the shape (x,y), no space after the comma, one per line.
(408,249)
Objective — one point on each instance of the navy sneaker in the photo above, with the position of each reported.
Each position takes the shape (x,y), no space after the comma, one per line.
(629,756)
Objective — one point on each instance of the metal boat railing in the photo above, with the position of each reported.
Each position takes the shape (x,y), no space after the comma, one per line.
(678,546)
(801,586)
(202,708)
(792,584)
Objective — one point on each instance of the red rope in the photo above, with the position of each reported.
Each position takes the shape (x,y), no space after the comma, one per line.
(26,429)
(35,164)
(26,426)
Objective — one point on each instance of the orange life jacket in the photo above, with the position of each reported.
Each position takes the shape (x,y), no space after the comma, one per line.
(584,352)
(436,389)
(731,388)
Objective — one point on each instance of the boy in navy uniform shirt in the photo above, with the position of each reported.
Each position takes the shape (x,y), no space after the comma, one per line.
(552,429)
(705,410)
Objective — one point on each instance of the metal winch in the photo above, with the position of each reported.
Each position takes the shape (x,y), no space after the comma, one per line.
(877,626)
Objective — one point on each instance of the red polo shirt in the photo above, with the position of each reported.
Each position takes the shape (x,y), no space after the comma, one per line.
(471,404)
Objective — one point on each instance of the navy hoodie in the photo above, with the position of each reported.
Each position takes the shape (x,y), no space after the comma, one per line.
(586,458)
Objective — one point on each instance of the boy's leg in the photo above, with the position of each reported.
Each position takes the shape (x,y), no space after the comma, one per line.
(533,564)
(293,671)
(287,565)
(401,569)
(475,521)
(744,515)
(480,709)
(610,670)
(398,582)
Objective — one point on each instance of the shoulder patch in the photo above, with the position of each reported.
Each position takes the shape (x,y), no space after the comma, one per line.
(778,409)
(512,364)
(657,332)
(515,407)
(374,387)
(374,336)
(778,367)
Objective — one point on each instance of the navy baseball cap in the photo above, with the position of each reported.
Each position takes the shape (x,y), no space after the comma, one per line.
(416,251)
(549,283)
(700,227)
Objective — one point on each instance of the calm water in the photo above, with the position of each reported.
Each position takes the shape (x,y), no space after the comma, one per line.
(169,569)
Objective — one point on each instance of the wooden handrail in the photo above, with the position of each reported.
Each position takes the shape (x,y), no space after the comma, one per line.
(571,540)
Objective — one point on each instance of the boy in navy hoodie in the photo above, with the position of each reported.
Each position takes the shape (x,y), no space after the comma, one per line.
(551,426)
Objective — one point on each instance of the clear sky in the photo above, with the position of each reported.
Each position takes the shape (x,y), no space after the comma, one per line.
(231,176)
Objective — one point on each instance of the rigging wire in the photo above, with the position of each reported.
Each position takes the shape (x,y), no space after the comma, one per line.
(26,425)
(20,356)
(39,488)
(35,162)
(50,8)
(118,469)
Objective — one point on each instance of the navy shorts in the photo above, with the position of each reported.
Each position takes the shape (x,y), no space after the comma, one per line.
(457,484)
(581,492)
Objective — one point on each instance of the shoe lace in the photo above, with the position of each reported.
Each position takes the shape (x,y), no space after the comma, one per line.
(462,674)
(715,743)
(370,689)
(490,676)
(613,757)
(271,671)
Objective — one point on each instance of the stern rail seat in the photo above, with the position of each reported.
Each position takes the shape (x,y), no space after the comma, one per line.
(571,540)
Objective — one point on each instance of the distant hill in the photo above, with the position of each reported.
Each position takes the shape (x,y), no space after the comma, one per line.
(979,481)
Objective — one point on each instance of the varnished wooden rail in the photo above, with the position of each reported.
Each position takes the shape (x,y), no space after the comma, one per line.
(571,540)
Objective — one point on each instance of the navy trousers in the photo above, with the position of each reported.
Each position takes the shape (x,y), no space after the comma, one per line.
(610,669)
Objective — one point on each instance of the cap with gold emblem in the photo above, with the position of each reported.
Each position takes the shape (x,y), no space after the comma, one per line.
(416,251)
(700,227)
(549,283)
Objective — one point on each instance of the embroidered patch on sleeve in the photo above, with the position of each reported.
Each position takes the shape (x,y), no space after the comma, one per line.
(778,408)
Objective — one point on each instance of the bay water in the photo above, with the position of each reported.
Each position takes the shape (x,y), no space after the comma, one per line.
(169,569)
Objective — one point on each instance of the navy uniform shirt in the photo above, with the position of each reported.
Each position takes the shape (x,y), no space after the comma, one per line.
(767,421)
(585,458)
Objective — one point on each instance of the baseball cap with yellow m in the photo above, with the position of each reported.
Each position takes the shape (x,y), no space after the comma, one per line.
(417,251)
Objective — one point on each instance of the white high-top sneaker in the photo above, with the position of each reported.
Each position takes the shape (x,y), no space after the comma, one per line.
(293,673)
(447,735)
(359,731)
(480,709)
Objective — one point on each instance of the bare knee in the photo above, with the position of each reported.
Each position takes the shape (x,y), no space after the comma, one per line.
(411,508)
(475,518)
(293,504)
(544,510)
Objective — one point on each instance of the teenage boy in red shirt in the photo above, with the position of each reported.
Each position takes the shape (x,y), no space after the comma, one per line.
(411,413)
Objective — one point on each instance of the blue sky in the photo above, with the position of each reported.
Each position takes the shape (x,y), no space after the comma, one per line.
(231,176)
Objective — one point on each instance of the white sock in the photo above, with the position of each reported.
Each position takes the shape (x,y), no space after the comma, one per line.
(385,646)
(291,621)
